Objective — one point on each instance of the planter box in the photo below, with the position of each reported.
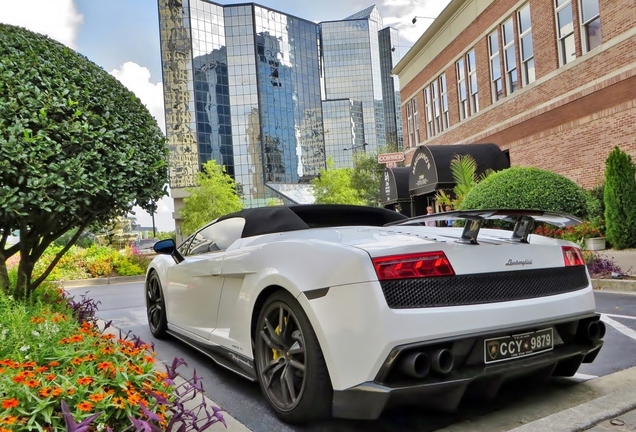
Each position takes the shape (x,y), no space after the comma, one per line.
(595,244)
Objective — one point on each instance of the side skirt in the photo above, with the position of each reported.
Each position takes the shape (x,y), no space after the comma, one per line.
(224,357)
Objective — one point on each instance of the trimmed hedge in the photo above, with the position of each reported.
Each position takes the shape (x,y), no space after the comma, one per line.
(528,188)
(620,200)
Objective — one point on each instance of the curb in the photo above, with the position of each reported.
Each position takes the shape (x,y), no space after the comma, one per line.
(614,285)
(233,425)
(579,418)
(101,281)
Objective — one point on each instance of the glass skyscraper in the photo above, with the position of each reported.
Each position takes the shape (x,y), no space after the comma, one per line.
(270,96)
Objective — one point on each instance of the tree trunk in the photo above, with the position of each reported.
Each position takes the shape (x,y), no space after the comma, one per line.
(25,269)
(4,274)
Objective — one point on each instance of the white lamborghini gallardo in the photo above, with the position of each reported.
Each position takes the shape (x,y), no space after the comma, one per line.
(342,310)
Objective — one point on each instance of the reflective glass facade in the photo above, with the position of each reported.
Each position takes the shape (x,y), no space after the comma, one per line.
(389,57)
(351,67)
(344,130)
(244,85)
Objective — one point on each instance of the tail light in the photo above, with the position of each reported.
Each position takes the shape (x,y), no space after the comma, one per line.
(419,265)
(572,256)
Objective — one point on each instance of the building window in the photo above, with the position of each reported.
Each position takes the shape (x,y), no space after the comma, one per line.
(565,31)
(471,62)
(430,128)
(496,83)
(510,57)
(444,96)
(462,91)
(591,24)
(525,43)
(409,124)
(436,101)
(416,122)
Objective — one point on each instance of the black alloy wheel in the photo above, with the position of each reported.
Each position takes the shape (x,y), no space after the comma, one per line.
(155,307)
(290,365)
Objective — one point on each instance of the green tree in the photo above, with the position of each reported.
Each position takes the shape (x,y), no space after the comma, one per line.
(77,148)
(464,171)
(367,173)
(335,186)
(214,196)
(165,235)
(527,188)
(620,200)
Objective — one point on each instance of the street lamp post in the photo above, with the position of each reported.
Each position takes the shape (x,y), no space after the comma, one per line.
(363,145)
(417,16)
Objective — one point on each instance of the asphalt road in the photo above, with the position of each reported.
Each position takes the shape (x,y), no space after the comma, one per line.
(124,305)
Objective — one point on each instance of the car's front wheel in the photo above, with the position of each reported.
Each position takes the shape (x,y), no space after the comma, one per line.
(156,307)
(291,368)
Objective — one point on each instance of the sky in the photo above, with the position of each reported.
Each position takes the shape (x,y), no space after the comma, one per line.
(122,36)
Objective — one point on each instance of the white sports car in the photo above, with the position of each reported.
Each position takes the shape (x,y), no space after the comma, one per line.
(342,310)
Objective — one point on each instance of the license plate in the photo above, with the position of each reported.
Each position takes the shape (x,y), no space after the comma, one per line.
(516,346)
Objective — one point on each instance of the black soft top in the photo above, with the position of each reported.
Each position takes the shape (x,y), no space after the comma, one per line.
(275,219)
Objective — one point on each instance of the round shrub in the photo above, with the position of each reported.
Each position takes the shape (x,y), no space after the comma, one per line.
(527,188)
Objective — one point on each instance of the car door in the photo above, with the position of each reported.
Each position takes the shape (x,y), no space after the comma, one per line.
(194,285)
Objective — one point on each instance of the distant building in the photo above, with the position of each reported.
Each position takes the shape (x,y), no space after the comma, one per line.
(270,96)
(552,82)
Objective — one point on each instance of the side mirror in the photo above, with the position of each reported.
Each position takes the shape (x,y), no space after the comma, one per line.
(165,247)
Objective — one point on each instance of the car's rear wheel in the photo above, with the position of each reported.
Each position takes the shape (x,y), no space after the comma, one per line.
(156,307)
(291,368)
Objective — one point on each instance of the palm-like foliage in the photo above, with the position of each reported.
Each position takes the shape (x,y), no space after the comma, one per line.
(464,171)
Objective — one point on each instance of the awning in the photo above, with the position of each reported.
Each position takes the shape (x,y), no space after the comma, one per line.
(394,186)
(430,166)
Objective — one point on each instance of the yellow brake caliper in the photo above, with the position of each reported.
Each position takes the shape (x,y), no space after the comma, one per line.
(275,353)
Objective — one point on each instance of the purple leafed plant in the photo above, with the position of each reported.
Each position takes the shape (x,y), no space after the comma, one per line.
(602,267)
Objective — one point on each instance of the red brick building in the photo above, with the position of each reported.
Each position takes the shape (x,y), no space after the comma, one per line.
(553,82)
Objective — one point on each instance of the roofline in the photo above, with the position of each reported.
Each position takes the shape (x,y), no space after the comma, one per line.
(254,4)
(432,30)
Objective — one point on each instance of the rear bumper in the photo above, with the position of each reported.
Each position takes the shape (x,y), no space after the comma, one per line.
(469,376)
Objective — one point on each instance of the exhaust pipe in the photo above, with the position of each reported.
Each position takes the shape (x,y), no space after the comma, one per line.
(595,330)
(416,365)
(442,361)
(591,331)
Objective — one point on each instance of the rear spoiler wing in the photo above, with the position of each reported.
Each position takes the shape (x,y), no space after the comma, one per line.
(524,221)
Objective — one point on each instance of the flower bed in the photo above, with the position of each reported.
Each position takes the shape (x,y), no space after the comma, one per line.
(59,372)
(92,262)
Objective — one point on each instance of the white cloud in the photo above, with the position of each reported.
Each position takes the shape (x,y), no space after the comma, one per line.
(163,217)
(137,79)
(58,19)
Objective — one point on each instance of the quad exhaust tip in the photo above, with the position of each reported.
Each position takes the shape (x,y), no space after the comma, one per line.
(442,361)
(416,365)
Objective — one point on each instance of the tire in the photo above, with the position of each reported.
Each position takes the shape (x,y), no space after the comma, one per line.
(298,346)
(156,307)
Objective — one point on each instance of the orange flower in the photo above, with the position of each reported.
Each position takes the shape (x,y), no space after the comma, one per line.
(108,350)
(3,429)
(9,403)
(103,366)
(41,369)
(57,391)
(54,363)
(97,397)
(18,378)
(29,364)
(50,377)
(119,402)
(31,383)
(71,391)
(10,419)
(84,406)
(77,361)
(85,380)
(89,357)
(76,338)
(37,320)
(45,391)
